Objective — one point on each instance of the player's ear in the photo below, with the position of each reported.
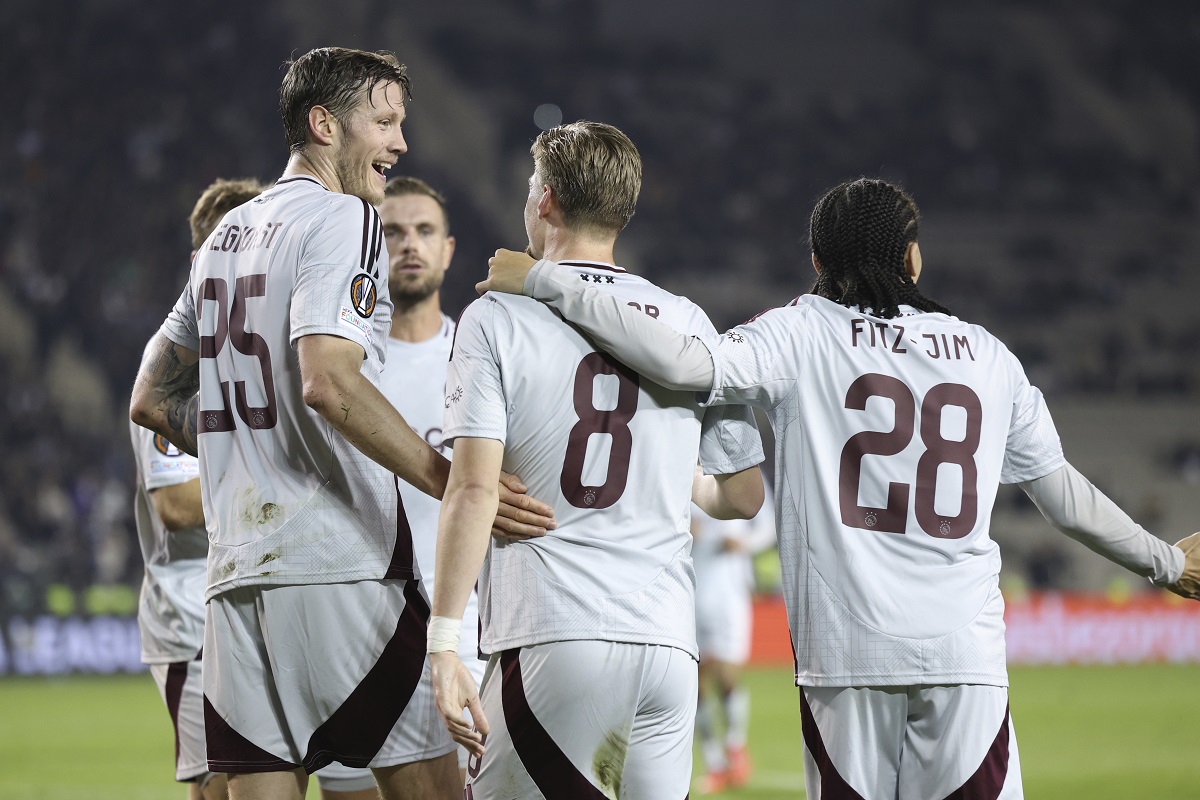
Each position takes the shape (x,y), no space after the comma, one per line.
(321,125)
(450,242)
(546,203)
(816,264)
(912,261)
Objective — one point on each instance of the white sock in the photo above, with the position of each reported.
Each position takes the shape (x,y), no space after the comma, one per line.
(710,748)
(737,717)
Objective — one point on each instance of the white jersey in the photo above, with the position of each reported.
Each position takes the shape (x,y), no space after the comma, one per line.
(415,383)
(612,453)
(170,608)
(892,438)
(287,499)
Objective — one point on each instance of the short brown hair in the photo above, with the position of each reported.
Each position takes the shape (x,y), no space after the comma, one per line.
(221,197)
(594,170)
(402,185)
(334,78)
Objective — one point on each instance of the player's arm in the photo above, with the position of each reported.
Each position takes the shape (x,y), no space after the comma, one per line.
(463,528)
(334,387)
(735,496)
(179,505)
(165,398)
(1077,508)
(647,346)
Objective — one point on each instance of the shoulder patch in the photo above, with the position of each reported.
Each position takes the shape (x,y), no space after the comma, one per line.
(363,294)
(166,448)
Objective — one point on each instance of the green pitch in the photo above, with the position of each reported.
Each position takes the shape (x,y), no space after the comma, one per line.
(1097,732)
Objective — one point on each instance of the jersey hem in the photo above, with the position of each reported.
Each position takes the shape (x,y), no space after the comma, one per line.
(302,579)
(513,642)
(1034,474)
(913,679)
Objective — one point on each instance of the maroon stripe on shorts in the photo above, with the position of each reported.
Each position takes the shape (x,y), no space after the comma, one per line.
(833,785)
(356,731)
(229,751)
(547,765)
(401,566)
(176,677)
(988,780)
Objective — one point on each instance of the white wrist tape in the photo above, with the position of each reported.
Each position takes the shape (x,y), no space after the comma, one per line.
(443,635)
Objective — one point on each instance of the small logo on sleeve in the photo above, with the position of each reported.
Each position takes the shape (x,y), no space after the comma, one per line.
(362,295)
(166,448)
(454,396)
(736,337)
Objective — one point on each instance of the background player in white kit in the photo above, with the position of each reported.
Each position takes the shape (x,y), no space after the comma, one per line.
(416,229)
(591,687)
(895,423)
(314,634)
(722,552)
(170,521)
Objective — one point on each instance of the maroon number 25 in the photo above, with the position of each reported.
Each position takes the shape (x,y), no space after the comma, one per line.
(231,326)
(893,517)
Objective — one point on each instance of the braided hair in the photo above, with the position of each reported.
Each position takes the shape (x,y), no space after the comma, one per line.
(860,232)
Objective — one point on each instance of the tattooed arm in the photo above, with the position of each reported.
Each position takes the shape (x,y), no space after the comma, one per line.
(165,398)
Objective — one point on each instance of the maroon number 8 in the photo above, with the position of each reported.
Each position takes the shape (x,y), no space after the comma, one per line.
(614,422)
(231,325)
(893,517)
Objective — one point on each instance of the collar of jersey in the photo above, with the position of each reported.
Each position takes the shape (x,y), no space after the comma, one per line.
(591,265)
(295,178)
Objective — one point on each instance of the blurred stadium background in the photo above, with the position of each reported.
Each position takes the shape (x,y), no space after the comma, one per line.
(1053,146)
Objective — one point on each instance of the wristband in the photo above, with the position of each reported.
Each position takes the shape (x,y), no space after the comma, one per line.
(443,635)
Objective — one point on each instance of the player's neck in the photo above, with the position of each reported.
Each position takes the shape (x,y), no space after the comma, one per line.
(418,322)
(302,164)
(563,245)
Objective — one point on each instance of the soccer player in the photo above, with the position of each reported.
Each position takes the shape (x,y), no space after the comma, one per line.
(591,686)
(724,618)
(174,542)
(416,230)
(895,424)
(315,619)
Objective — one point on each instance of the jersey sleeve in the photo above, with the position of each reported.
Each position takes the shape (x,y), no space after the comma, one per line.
(1033,449)
(161,463)
(180,326)
(475,402)
(729,440)
(337,286)
(755,363)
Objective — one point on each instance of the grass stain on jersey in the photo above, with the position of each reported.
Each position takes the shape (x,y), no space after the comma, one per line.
(267,557)
(608,765)
(269,512)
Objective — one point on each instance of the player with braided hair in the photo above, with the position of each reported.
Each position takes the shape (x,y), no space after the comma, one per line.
(895,423)
(864,237)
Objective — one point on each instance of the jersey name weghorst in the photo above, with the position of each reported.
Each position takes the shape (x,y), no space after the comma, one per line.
(288,500)
(612,452)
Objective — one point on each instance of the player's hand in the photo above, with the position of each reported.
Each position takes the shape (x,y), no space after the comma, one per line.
(519,515)
(1188,584)
(453,690)
(506,272)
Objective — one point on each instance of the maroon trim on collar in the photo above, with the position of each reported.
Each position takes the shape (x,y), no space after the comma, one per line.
(590,265)
(282,181)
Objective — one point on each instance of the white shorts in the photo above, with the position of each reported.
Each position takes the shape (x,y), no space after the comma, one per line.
(181,687)
(302,676)
(723,618)
(587,720)
(909,742)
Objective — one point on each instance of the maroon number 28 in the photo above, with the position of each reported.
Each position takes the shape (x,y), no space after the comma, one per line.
(231,326)
(893,517)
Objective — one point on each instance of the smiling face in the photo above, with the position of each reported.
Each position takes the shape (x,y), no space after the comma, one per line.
(419,249)
(370,142)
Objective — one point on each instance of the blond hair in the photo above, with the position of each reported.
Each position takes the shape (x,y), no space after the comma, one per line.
(594,170)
